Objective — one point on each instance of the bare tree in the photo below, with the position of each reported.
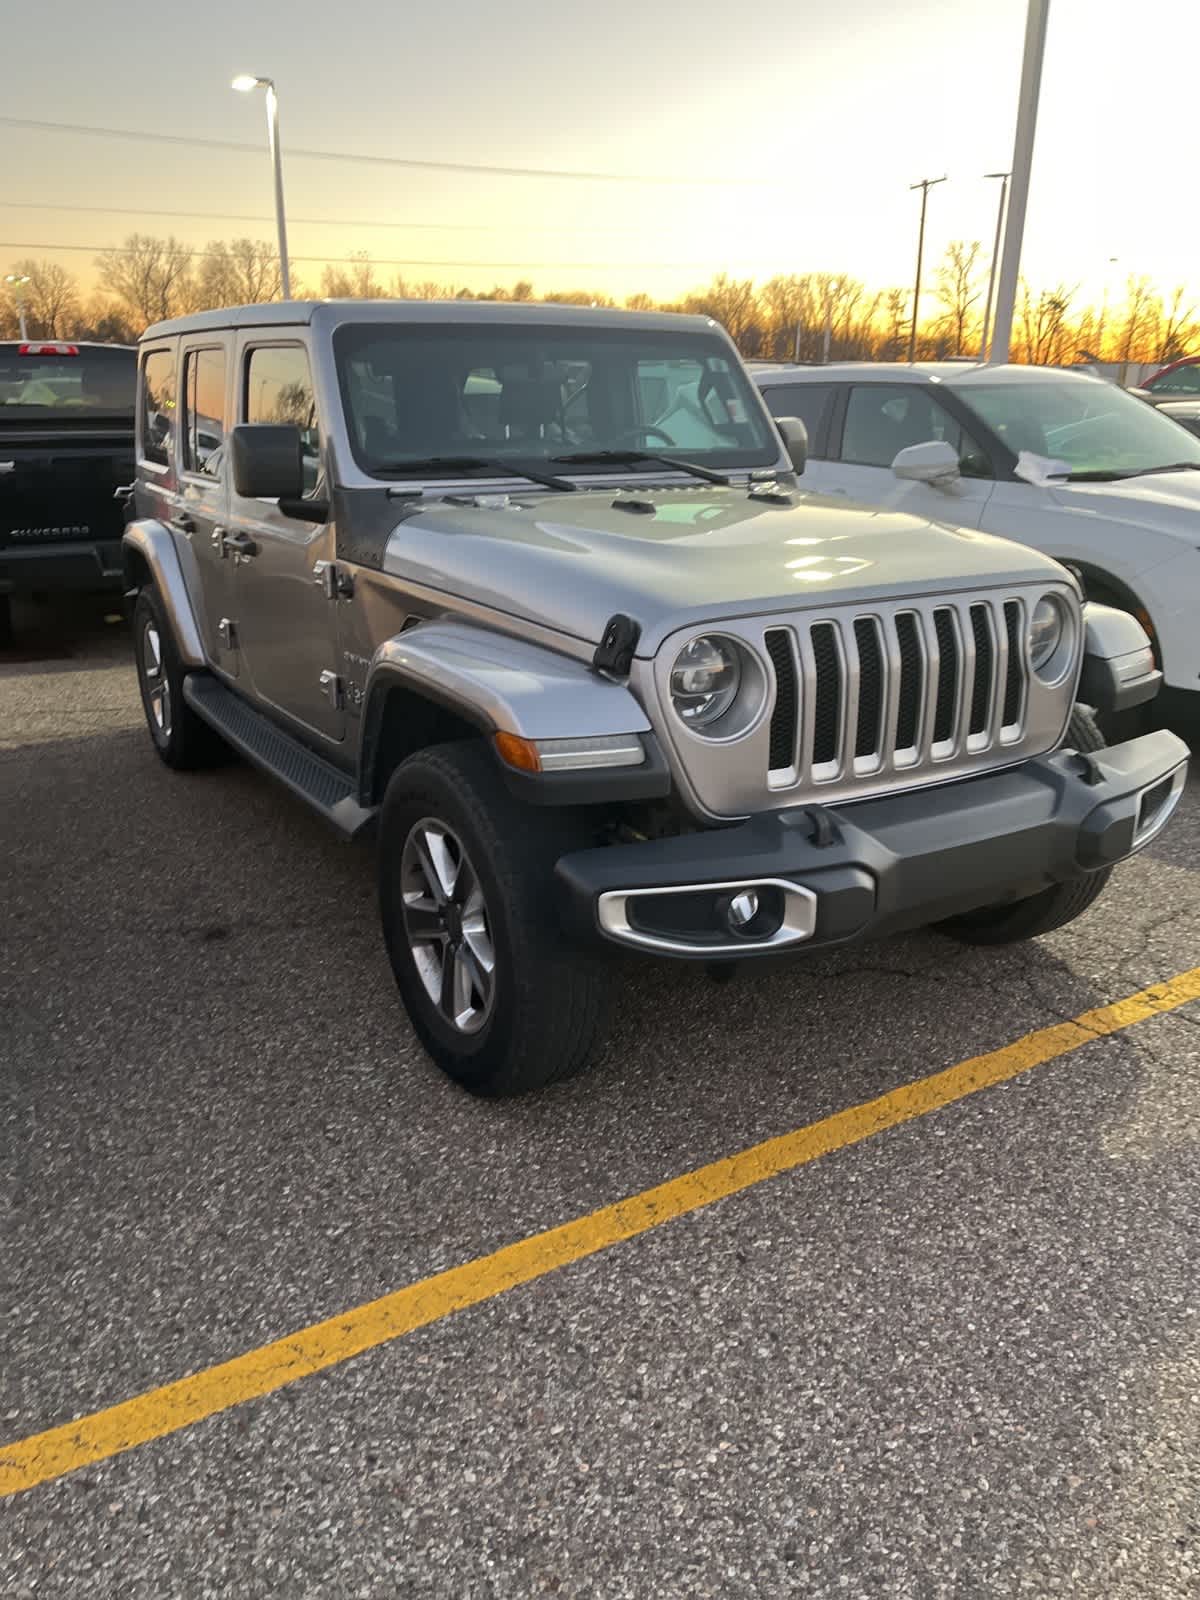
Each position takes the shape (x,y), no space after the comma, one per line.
(243,272)
(1142,313)
(1047,339)
(1179,328)
(729,301)
(959,289)
(360,283)
(152,277)
(51,298)
(895,312)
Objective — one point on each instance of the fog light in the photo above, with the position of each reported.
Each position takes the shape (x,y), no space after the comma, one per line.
(743,908)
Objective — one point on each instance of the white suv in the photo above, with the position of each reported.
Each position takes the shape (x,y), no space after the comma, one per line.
(1067,463)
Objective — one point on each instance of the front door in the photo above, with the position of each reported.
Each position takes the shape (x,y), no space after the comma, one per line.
(203,501)
(286,624)
(881,419)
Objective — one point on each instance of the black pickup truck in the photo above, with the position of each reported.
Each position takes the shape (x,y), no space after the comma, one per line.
(66,446)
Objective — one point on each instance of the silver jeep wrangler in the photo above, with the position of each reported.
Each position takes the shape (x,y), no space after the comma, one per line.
(534,591)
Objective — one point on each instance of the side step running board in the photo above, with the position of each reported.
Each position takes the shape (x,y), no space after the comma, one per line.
(326,789)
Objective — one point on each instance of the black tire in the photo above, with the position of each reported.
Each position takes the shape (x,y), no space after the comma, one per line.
(543,1017)
(1050,908)
(7,632)
(183,740)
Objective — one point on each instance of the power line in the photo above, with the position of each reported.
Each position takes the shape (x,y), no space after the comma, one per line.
(293,152)
(387,261)
(315,222)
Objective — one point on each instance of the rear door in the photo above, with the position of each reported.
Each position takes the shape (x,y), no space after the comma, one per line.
(286,624)
(204,487)
(66,444)
(877,421)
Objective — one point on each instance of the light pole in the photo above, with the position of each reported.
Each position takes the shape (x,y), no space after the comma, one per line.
(987,310)
(1022,163)
(244,83)
(924,185)
(18,281)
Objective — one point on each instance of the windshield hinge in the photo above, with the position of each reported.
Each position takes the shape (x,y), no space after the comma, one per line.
(614,653)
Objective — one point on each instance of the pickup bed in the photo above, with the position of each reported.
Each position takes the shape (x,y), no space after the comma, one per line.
(66,446)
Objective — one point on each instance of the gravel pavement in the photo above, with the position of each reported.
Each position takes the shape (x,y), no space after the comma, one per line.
(961,1359)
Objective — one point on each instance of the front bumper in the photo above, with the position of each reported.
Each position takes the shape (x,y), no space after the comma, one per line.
(77,565)
(825,877)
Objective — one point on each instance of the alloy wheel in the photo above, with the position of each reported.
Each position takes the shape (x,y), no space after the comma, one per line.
(447,925)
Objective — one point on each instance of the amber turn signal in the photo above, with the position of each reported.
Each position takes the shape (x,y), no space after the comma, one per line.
(517,752)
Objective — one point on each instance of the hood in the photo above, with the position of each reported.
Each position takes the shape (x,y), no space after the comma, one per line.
(570,561)
(1168,502)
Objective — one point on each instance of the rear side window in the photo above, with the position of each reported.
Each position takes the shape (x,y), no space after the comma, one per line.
(279,389)
(204,410)
(807,401)
(157,405)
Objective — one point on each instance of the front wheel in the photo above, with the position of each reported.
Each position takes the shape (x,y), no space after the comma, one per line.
(1050,908)
(183,740)
(496,996)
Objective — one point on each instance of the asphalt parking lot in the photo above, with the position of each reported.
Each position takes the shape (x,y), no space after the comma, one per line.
(960,1357)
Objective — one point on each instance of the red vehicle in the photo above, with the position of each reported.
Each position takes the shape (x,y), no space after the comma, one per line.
(1181,379)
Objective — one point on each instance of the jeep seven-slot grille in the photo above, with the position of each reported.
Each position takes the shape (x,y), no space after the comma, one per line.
(901,690)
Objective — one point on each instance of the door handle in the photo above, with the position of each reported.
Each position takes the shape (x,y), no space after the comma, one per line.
(184,524)
(240,546)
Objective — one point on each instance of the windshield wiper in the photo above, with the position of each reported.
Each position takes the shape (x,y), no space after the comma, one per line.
(587,458)
(1108,475)
(501,469)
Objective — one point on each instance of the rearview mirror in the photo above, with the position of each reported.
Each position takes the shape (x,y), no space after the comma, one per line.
(268,463)
(935,462)
(795,441)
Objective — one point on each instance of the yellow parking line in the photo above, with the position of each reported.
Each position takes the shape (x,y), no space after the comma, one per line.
(177,1405)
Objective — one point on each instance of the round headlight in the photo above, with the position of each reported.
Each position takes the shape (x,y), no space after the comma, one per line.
(1046,627)
(705,680)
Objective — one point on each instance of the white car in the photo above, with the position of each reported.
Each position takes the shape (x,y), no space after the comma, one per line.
(1067,463)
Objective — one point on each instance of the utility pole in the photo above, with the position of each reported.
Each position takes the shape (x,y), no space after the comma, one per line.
(1022,164)
(987,310)
(924,185)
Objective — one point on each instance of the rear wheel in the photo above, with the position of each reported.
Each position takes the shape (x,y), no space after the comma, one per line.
(499,999)
(1050,908)
(183,740)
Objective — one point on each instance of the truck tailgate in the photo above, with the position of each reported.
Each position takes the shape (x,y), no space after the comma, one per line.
(57,487)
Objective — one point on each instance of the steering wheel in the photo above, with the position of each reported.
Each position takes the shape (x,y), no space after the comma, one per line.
(638,436)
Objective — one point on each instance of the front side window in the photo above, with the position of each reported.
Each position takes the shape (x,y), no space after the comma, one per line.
(157,405)
(883,418)
(1184,380)
(416,396)
(807,401)
(204,410)
(1098,430)
(279,389)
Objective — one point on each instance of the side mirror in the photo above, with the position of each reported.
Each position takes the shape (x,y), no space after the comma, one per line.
(795,441)
(267,461)
(935,463)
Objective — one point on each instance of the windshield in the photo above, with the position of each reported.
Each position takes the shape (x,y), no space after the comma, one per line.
(1091,425)
(88,382)
(416,394)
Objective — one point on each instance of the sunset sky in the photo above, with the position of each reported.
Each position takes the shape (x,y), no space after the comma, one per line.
(798,127)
